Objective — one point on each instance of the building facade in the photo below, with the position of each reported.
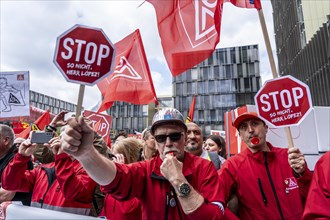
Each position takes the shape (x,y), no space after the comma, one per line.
(46,102)
(302,35)
(134,118)
(229,78)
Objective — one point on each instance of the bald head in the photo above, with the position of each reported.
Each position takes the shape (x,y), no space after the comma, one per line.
(194,143)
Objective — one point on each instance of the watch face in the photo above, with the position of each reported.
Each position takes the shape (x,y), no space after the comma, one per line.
(184,189)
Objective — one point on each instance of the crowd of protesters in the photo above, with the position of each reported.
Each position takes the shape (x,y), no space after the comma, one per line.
(171,173)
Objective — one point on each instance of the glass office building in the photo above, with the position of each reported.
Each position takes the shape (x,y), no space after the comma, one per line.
(134,118)
(229,78)
(302,35)
(46,102)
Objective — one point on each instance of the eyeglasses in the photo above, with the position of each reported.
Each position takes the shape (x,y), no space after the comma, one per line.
(173,137)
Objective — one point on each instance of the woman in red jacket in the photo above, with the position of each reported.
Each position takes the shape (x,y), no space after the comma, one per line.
(125,151)
(62,185)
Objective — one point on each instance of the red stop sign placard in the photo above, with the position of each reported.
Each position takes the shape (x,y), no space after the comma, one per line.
(283,101)
(84,55)
(104,122)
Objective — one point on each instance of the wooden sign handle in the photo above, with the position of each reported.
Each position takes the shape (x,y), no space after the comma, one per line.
(80,100)
(289,136)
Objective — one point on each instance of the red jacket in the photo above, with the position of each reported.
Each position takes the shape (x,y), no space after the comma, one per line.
(318,199)
(264,184)
(144,181)
(122,210)
(72,190)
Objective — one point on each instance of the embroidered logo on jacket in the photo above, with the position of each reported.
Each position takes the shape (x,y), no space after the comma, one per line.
(290,184)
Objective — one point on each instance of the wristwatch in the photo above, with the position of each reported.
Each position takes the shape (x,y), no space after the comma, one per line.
(184,189)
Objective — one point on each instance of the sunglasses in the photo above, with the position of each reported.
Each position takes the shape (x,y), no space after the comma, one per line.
(173,137)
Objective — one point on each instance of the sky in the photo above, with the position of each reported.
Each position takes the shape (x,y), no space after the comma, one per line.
(29,29)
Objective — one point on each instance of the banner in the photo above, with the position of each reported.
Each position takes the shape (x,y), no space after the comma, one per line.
(189,31)
(131,80)
(14,94)
(13,211)
(39,124)
(190,116)
(246,3)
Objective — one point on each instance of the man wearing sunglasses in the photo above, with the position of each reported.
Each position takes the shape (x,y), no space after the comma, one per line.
(172,185)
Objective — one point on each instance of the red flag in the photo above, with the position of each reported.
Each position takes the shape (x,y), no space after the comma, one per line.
(190,116)
(246,3)
(189,31)
(131,80)
(39,124)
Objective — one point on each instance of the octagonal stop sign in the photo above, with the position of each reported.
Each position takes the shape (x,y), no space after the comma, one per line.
(100,122)
(283,101)
(84,55)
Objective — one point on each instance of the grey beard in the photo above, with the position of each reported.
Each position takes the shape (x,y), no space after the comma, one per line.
(192,148)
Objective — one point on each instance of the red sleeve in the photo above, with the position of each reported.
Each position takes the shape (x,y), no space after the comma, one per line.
(227,181)
(207,211)
(73,179)
(15,177)
(126,185)
(318,199)
(210,190)
(304,182)
(129,206)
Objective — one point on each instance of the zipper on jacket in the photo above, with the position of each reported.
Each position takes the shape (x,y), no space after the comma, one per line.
(272,184)
(167,202)
(264,198)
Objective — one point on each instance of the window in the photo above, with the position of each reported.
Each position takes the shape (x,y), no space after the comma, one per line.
(136,111)
(179,88)
(247,84)
(232,55)
(194,74)
(210,60)
(188,72)
(239,70)
(145,110)
(200,87)
(46,100)
(251,69)
(216,72)
(32,96)
(229,71)
(211,87)
(205,73)
(41,98)
(213,116)
(201,116)
(244,54)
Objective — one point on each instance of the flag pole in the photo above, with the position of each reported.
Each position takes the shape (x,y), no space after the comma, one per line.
(267,42)
(272,65)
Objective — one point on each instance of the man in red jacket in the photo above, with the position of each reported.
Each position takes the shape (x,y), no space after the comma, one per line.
(62,185)
(318,200)
(270,182)
(172,185)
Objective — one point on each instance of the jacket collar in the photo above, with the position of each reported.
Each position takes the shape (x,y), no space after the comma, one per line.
(259,156)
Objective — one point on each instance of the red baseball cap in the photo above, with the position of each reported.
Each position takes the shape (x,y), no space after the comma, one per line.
(245,116)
